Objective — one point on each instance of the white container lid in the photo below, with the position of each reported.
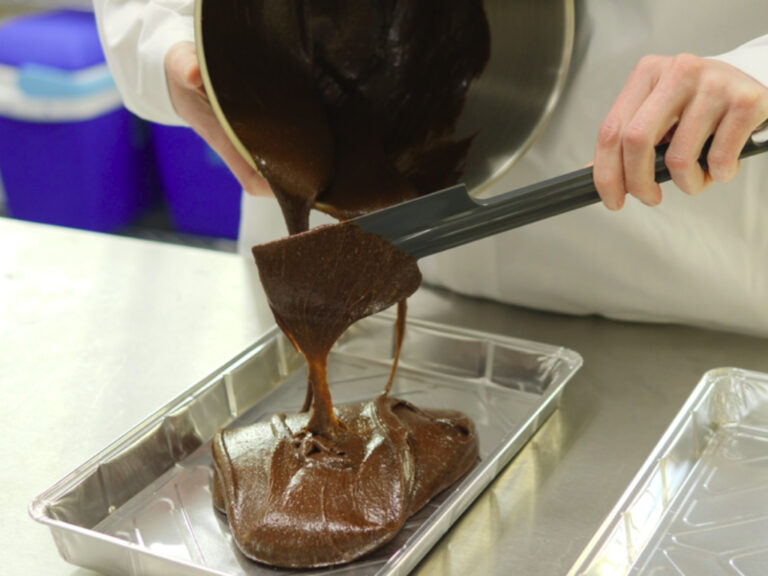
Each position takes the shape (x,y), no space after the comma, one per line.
(37,93)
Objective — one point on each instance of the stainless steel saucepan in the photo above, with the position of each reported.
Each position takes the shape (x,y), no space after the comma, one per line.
(507,107)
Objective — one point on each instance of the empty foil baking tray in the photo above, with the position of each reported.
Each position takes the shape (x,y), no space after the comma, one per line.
(699,505)
(143,505)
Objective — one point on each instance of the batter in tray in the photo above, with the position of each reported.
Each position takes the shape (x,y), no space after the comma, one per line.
(327,486)
(299,500)
(353,109)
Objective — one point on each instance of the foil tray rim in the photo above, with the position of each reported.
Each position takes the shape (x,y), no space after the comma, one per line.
(666,443)
(402,561)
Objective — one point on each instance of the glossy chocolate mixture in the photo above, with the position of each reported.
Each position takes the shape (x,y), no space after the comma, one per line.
(298,500)
(347,106)
(319,283)
(324,488)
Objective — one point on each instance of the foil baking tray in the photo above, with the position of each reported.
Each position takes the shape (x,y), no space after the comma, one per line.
(699,504)
(143,505)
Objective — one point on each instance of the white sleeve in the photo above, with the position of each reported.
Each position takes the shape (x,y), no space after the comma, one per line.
(136,36)
(751,58)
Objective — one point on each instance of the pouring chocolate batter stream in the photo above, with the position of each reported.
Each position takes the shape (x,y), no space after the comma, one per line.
(346,107)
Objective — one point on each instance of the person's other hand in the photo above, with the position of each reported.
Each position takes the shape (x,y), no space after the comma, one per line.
(185,85)
(683,99)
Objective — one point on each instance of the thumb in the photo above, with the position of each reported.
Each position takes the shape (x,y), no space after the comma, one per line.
(185,66)
(191,68)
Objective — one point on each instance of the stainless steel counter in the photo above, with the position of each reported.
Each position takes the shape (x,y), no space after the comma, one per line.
(96,332)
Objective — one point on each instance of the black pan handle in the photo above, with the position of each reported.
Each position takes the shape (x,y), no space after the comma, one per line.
(537,202)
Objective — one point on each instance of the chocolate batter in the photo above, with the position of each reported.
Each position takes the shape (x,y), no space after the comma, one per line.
(319,283)
(324,488)
(345,106)
(298,500)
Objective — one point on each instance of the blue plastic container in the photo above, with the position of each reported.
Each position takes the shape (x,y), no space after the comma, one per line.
(70,153)
(202,195)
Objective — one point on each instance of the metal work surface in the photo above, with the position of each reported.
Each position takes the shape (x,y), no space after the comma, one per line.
(98,332)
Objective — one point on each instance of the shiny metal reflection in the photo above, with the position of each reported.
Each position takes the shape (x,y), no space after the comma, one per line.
(698,503)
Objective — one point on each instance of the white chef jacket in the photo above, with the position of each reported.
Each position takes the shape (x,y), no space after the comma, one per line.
(699,260)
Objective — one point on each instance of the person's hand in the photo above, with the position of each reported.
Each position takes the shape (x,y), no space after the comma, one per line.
(683,99)
(185,85)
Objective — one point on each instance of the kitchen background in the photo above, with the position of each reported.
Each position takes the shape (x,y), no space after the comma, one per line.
(71,155)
